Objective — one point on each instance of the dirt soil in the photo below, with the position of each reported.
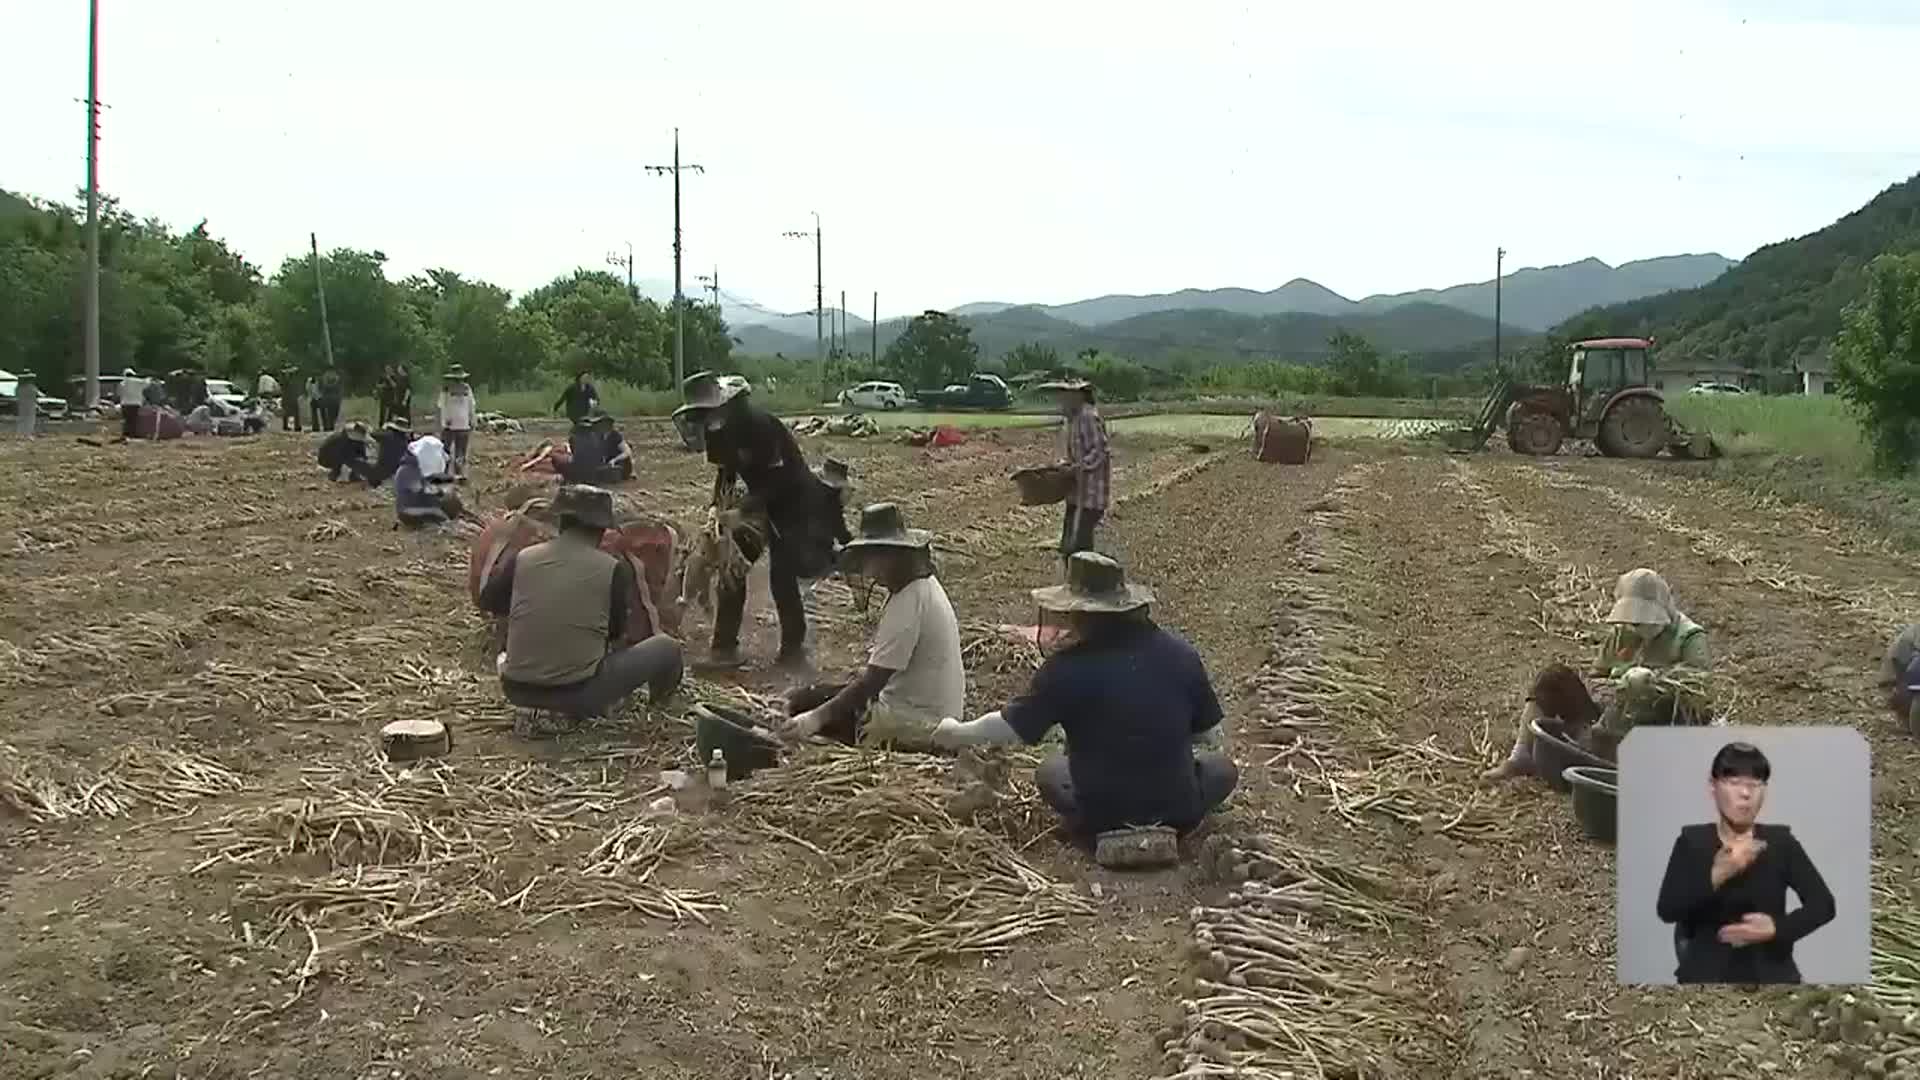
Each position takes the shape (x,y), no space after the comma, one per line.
(206,871)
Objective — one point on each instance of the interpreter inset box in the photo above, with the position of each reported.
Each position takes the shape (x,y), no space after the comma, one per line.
(1744,856)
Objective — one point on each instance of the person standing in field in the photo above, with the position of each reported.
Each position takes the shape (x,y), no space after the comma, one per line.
(326,400)
(312,390)
(457,409)
(266,388)
(133,394)
(779,517)
(579,399)
(1091,462)
(290,402)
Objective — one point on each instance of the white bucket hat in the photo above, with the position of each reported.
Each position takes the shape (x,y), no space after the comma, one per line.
(1642,596)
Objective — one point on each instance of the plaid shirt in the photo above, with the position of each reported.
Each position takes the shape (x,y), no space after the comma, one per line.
(1088,456)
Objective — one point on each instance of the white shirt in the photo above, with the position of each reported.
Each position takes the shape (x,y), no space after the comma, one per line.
(268,386)
(456,411)
(919,640)
(133,390)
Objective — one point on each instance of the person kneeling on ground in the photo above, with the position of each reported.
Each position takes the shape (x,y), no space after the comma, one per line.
(393,440)
(1900,678)
(1142,721)
(599,453)
(422,491)
(1647,635)
(914,675)
(344,454)
(567,607)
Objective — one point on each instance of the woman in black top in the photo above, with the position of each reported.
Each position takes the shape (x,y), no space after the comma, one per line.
(1726,885)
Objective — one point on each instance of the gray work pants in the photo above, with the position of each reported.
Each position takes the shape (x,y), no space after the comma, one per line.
(655,663)
(1216,772)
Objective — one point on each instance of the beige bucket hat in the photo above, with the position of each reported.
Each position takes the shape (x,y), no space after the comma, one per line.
(1641,596)
(1095,583)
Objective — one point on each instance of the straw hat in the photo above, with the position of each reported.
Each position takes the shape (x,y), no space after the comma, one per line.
(834,473)
(1095,583)
(357,431)
(883,526)
(706,391)
(1641,596)
(589,505)
(456,373)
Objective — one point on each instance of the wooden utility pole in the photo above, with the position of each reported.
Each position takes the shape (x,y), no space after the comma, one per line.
(92,329)
(679,298)
(320,288)
(875,329)
(1499,259)
(614,259)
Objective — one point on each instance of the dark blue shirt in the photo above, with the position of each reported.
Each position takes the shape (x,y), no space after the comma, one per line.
(1130,703)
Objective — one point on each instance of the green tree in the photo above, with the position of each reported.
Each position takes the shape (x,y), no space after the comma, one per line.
(709,345)
(1029,357)
(601,328)
(1876,360)
(372,321)
(935,350)
(1357,368)
(1117,379)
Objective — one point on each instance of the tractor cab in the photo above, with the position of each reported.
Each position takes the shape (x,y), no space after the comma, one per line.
(1608,398)
(1603,367)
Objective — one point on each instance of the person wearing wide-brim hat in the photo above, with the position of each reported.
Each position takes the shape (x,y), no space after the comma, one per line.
(748,444)
(1143,724)
(568,605)
(458,408)
(344,453)
(913,675)
(835,478)
(392,440)
(596,452)
(1648,636)
(1089,459)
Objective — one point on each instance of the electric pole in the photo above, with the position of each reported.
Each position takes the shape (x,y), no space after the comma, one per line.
(1499,259)
(614,259)
(875,330)
(320,288)
(844,347)
(92,331)
(679,299)
(819,293)
(712,282)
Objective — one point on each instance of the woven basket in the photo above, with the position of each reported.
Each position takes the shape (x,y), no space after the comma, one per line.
(1143,847)
(1042,485)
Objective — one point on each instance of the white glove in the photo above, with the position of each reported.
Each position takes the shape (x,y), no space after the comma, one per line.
(947,734)
(806,725)
(1639,678)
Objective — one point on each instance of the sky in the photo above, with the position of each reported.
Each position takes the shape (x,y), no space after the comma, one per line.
(1035,152)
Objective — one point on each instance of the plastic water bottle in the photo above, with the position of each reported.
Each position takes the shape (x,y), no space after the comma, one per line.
(717,771)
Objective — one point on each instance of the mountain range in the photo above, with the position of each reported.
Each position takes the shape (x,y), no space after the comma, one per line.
(1293,320)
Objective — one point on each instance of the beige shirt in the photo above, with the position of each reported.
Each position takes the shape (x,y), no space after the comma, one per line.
(919,639)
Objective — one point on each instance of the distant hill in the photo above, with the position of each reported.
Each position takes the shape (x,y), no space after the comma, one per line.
(1781,304)
(1533,298)
(1437,335)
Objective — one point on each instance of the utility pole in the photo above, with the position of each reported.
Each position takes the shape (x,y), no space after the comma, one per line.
(614,259)
(1499,259)
(320,287)
(819,292)
(92,331)
(679,299)
(712,282)
(875,330)
(844,347)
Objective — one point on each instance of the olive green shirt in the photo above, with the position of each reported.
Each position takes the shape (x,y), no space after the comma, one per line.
(1682,644)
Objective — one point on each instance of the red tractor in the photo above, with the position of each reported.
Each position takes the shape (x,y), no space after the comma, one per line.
(1607,398)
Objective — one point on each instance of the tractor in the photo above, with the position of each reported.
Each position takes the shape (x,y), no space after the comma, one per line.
(1607,398)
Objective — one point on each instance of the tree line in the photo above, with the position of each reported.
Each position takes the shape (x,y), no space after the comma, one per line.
(171,300)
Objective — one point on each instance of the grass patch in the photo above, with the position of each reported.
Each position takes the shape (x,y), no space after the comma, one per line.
(1819,428)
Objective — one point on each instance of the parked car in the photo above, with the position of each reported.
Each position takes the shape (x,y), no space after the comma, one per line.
(77,390)
(875,395)
(981,391)
(50,406)
(223,391)
(1714,388)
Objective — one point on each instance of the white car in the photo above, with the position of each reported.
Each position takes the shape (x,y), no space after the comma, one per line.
(223,391)
(875,395)
(1715,388)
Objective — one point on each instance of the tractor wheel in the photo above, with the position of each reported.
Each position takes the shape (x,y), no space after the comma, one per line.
(1633,428)
(1534,432)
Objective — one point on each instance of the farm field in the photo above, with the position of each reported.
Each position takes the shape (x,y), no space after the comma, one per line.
(205,871)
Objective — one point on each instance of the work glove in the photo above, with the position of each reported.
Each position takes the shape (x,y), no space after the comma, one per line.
(946,735)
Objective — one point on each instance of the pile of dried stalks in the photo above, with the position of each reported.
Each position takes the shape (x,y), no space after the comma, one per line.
(986,647)
(396,849)
(714,560)
(931,885)
(140,776)
(1276,995)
